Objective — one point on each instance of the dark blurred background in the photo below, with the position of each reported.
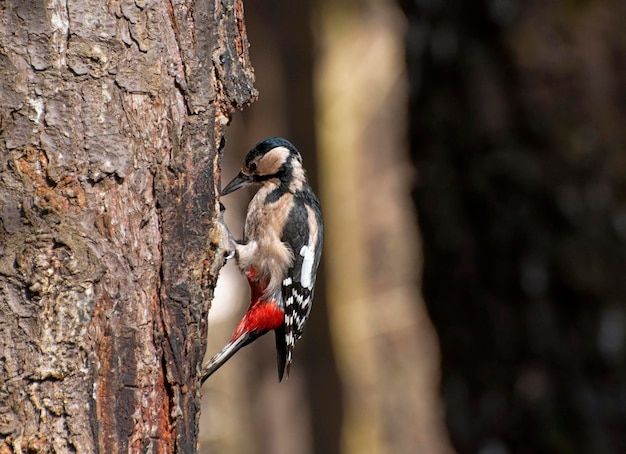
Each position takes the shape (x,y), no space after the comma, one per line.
(471,161)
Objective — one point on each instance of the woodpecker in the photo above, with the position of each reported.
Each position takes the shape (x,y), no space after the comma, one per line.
(279,253)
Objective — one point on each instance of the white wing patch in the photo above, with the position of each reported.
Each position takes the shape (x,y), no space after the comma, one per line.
(308,257)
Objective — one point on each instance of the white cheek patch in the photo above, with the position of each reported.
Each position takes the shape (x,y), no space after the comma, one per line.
(308,256)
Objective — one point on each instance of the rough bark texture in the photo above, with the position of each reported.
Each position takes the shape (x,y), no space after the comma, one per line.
(111,116)
(517,114)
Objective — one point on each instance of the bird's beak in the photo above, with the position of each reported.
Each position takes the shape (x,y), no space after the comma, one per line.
(240,181)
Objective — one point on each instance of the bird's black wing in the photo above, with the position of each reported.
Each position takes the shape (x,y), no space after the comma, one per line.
(297,287)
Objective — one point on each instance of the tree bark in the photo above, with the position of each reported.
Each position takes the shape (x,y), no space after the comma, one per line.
(111,117)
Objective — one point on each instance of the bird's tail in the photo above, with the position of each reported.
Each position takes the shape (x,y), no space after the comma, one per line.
(281,354)
(224,355)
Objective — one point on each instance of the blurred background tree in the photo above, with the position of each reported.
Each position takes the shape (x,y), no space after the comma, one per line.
(511,114)
(517,114)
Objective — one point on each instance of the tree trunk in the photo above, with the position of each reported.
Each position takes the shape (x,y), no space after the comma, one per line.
(111,117)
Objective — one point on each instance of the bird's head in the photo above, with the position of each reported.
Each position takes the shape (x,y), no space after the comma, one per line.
(272,161)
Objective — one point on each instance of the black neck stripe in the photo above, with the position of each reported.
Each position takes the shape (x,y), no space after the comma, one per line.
(260,178)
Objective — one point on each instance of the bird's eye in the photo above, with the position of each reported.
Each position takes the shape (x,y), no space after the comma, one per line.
(252,167)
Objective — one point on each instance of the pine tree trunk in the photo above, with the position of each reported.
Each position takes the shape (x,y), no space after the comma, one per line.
(111,118)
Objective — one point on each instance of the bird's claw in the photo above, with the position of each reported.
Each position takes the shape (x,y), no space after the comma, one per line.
(228,240)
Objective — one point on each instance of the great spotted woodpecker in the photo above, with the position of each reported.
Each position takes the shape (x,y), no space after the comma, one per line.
(280,251)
